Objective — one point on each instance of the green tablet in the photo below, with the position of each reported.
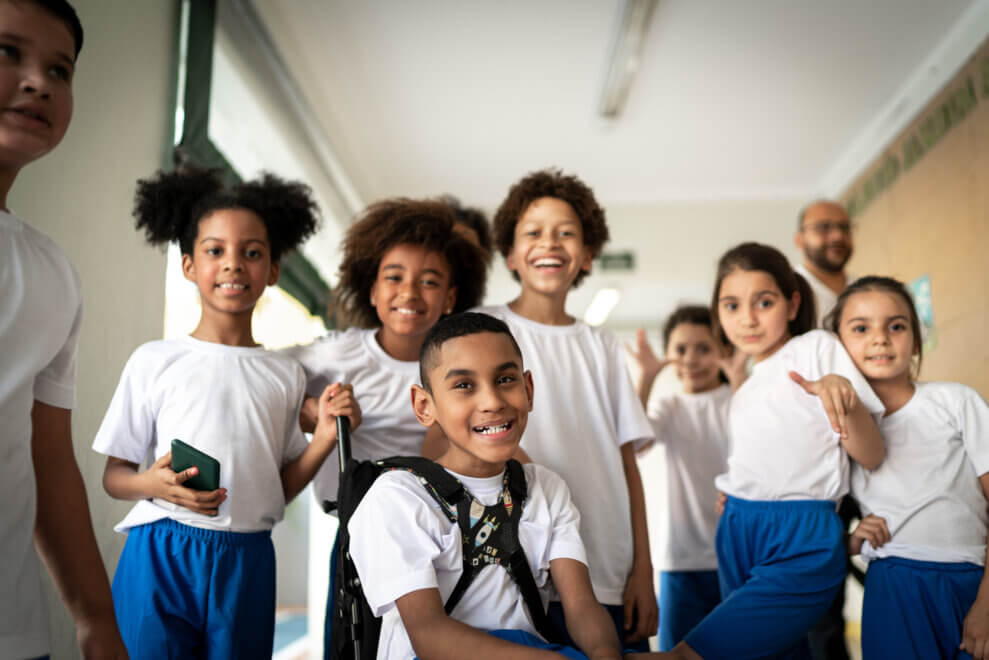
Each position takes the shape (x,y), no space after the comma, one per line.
(185,456)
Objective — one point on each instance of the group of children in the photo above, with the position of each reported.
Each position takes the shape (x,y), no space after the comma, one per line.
(776,423)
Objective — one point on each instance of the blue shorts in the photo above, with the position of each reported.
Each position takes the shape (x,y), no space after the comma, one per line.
(780,565)
(183,591)
(685,598)
(915,609)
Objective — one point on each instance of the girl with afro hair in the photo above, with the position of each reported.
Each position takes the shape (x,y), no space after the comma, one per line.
(404,266)
(197,573)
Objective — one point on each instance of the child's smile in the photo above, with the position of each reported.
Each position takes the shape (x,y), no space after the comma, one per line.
(754,313)
(549,252)
(876,330)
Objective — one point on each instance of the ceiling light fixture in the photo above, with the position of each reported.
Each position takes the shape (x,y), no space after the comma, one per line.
(602,304)
(626,52)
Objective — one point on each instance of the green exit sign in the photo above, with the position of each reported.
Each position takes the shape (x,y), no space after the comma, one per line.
(618,261)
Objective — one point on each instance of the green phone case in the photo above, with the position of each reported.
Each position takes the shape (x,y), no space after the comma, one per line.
(185,456)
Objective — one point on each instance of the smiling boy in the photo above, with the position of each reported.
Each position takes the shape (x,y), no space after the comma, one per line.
(409,554)
(41,488)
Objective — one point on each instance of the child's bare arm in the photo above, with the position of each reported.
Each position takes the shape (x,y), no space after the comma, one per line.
(123,480)
(640,595)
(975,628)
(337,400)
(859,434)
(436,636)
(64,536)
(588,622)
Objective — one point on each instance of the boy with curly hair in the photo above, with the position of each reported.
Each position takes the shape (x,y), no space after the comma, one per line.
(549,228)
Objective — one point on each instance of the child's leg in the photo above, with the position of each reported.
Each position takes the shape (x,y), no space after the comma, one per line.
(524,638)
(685,598)
(915,609)
(240,619)
(159,593)
(331,598)
(780,565)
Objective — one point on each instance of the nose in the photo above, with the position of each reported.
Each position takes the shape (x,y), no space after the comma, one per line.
(35,81)
(747,316)
(233,262)
(490,400)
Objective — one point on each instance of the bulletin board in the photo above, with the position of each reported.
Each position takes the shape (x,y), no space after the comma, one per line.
(921,212)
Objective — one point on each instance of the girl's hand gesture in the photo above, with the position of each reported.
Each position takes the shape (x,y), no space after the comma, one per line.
(643,355)
(162,482)
(337,400)
(837,396)
(872,529)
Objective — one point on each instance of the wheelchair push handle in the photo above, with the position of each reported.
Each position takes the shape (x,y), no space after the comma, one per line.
(343,441)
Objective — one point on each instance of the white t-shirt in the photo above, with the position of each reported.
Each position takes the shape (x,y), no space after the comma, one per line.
(40,315)
(824,297)
(382,386)
(693,430)
(928,489)
(238,404)
(585,408)
(402,542)
(783,447)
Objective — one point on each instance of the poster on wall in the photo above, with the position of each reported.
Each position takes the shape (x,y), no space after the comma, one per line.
(920,290)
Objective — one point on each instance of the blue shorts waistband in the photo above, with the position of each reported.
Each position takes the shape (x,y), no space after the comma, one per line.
(780,505)
(218,536)
(921,565)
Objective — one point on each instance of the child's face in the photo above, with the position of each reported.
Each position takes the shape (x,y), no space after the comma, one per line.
(36,67)
(876,330)
(754,313)
(412,290)
(231,261)
(548,252)
(481,399)
(695,353)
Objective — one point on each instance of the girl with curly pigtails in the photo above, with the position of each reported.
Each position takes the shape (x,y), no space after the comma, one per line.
(197,574)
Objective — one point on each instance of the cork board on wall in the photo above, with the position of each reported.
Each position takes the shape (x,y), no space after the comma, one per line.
(922,208)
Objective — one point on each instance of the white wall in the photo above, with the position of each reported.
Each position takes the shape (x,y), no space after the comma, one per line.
(81,195)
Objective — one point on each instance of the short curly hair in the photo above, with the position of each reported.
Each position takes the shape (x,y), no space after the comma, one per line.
(169,205)
(565,187)
(474,219)
(400,221)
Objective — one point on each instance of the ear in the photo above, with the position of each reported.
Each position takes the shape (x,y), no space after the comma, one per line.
(588,258)
(374,289)
(794,306)
(527,376)
(423,406)
(188,267)
(510,260)
(798,240)
(451,300)
(276,268)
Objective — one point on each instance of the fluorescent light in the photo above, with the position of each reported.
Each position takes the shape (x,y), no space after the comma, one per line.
(601,306)
(626,52)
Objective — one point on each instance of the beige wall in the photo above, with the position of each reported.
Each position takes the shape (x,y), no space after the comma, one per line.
(934,219)
(81,195)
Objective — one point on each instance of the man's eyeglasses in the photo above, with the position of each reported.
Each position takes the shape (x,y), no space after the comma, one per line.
(825,228)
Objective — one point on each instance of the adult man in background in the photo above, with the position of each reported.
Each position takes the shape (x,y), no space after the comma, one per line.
(824,237)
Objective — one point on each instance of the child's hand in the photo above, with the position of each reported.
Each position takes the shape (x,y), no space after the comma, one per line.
(872,529)
(337,400)
(643,355)
(640,606)
(975,630)
(166,484)
(837,396)
(719,506)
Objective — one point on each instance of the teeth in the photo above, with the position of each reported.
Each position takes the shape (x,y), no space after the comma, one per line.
(491,430)
(232,285)
(405,311)
(548,262)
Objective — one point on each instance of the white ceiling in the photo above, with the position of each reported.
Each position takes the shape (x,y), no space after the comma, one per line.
(734,101)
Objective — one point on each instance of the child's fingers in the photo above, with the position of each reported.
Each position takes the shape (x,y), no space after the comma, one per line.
(164,461)
(804,383)
(180,478)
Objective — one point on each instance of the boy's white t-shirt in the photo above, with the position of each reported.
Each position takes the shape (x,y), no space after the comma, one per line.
(693,431)
(783,446)
(402,542)
(238,404)
(382,387)
(584,409)
(40,316)
(927,488)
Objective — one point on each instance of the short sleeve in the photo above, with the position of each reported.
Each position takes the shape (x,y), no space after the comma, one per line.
(128,428)
(973,422)
(659,414)
(55,385)
(632,424)
(295,440)
(394,538)
(317,360)
(834,359)
(564,542)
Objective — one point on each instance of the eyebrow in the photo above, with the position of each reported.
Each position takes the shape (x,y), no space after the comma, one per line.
(223,240)
(18,39)
(424,270)
(895,317)
(458,373)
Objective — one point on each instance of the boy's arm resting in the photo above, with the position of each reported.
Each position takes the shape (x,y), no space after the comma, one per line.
(640,595)
(975,628)
(588,622)
(436,636)
(64,534)
(337,400)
